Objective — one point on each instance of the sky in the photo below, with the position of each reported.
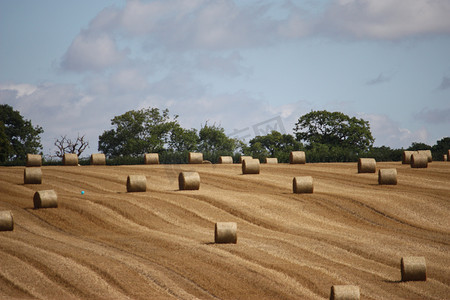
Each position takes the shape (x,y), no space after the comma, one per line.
(247,66)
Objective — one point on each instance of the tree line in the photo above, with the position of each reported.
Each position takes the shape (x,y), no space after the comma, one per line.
(324,136)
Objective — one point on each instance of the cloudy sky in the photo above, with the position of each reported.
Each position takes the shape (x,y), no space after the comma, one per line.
(71,66)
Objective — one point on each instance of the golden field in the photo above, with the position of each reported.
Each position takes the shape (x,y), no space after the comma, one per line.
(159,244)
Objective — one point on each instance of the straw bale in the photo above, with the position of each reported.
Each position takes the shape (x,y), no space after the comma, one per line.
(444,157)
(195,158)
(225,160)
(98,159)
(225,232)
(136,183)
(271,160)
(303,185)
(151,158)
(189,181)
(344,292)
(367,165)
(70,159)
(297,157)
(406,157)
(387,176)
(34,160)
(6,220)
(419,160)
(241,159)
(427,153)
(413,268)
(250,166)
(45,199)
(32,176)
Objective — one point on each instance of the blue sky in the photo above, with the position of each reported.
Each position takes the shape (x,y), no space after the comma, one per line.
(71,66)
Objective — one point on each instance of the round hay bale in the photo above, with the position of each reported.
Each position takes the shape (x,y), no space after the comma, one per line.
(271,160)
(206,162)
(344,292)
(444,157)
(6,220)
(427,153)
(413,268)
(98,159)
(189,181)
(448,155)
(250,166)
(243,157)
(419,160)
(34,160)
(151,158)
(32,176)
(406,157)
(70,159)
(387,176)
(225,160)
(225,233)
(297,157)
(303,185)
(45,199)
(136,183)
(367,165)
(195,158)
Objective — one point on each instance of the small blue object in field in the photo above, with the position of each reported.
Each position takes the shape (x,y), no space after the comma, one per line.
(82,192)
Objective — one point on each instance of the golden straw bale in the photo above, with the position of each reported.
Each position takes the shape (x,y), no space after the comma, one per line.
(367,165)
(303,185)
(406,157)
(250,166)
(387,176)
(225,232)
(427,153)
(225,160)
(297,157)
(189,181)
(271,160)
(32,176)
(151,158)
(444,157)
(344,292)
(70,159)
(241,159)
(34,160)
(448,155)
(413,268)
(419,160)
(6,220)
(136,183)
(45,199)
(195,158)
(98,159)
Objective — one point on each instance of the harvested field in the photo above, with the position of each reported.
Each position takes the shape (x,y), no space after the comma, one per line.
(159,244)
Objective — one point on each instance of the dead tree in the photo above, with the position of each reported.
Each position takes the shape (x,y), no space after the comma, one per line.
(66,145)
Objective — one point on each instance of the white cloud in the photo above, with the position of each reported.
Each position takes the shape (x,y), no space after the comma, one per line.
(21,90)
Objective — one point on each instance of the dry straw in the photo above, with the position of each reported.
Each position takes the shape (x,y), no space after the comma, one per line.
(367,165)
(70,159)
(195,158)
(34,160)
(136,183)
(32,176)
(419,160)
(250,166)
(387,176)
(271,160)
(6,220)
(344,292)
(302,185)
(243,157)
(427,153)
(225,232)
(444,157)
(406,157)
(225,160)
(151,158)
(413,268)
(98,159)
(45,199)
(297,157)
(189,181)
(448,155)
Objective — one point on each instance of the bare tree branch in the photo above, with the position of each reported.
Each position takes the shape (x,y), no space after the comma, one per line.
(65,145)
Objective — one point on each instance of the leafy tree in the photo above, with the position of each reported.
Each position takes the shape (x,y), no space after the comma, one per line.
(17,135)
(334,129)
(183,139)
(419,146)
(213,142)
(273,144)
(137,132)
(441,147)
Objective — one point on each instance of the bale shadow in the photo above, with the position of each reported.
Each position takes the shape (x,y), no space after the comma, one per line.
(392,281)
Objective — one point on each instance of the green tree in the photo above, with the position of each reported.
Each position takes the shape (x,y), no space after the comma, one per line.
(137,132)
(441,147)
(17,135)
(213,142)
(183,139)
(273,144)
(419,146)
(334,129)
